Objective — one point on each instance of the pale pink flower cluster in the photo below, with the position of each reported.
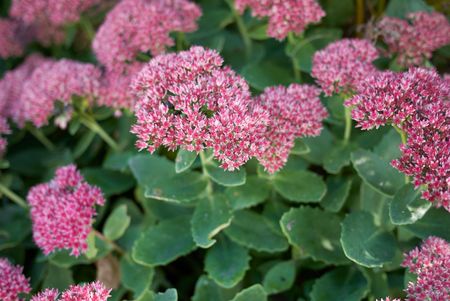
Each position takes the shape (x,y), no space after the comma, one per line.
(94,291)
(294,112)
(52,12)
(10,44)
(4,130)
(418,103)
(62,211)
(284,15)
(135,26)
(342,65)
(413,40)
(189,100)
(431,264)
(57,81)
(12,281)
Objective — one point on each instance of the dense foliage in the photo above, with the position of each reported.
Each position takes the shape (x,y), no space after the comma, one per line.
(219,150)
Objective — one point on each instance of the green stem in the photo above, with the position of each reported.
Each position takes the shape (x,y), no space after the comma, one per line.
(380,7)
(359,14)
(87,27)
(348,125)
(12,196)
(204,161)
(296,67)
(180,41)
(242,29)
(37,133)
(92,124)
(109,242)
(404,141)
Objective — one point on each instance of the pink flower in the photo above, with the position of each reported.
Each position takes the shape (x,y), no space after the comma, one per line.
(62,211)
(58,81)
(417,102)
(135,26)
(431,264)
(415,39)
(343,65)
(284,15)
(388,299)
(4,129)
(94,291)
(295,111)
(10,43)
(12,281)
(189,100)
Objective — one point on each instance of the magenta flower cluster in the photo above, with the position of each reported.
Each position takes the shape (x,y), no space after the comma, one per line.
(431,264)
(343,65)
(294,112)
(94,291)
(284,16)
(417,103)
(12,281)
(413,40)
(62,211)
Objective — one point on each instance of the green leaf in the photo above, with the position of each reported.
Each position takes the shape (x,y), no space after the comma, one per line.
(338,12)
(111,182)
(135,277)
(182,188)
(300,148)
(407,207)
(377,172)
(280,277)
(225,178)
(169,295)
(376,203)
(319,146)
(208,290)
(337,158)
(253,293)
(435,222)
(15,226)
(226,262)
(246,195)
(117,223)
(299,186)
(184,160)
(258,32)
(118,161)
(364,243)
(164,242)
(150,168)
(315,232)
(255,232)
(401,8)
(146,296)
(347,284)
(83,144)
(338,189)
(211,216)
(389,147)
(57,278)
(266,74)
(92,250)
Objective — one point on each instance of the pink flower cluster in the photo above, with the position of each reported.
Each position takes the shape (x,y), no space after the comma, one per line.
(418,103)
(12,281)
(135,26)
(342,65)
(284,15)
(388,299)
(52,12)
(94,291)
(431,264)
(62,211)
(4,129)
(189,100)
(415,39)
(10,44)
(295,111)
(57,81)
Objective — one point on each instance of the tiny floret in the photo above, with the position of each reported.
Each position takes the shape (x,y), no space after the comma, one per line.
(12,281)
(62,211)
(94,291)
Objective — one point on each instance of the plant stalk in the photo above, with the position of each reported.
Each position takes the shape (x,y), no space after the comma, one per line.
(37,133)
(92,124)
(296,68)
(242,29)
(404,141)
(348,125)
(13,197)
(109,242)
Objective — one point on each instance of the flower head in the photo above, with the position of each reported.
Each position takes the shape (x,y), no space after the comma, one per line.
(10,44)
(94,291)
(388,299)
(343,65)
(12,281)
(431,264)
(284,15)
(62,211)
(414,39)
(295,111)
(57,81)
(189,100)
(4,129)
(135,26)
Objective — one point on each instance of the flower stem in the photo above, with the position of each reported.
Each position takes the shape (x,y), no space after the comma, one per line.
(180,41)
(92,124)
(296,67)
(348,125)
(380,7)
(87,27)
(242,29)
(204,162)
(359,14)
(37,133)
(109,242)
(13,197)
(404,141)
